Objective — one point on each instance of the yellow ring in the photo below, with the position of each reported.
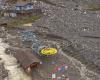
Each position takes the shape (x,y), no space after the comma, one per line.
(48,51)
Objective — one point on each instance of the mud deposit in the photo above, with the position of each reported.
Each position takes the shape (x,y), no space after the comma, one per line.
(71,27)
(15,72)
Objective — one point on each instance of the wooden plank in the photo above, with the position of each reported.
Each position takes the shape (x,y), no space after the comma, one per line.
(27,59)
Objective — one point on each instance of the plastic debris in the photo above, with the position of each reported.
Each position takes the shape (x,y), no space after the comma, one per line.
(53,62)
(41,62)
(62,69)
(58,72)
(53,76)
(59,69)
(63,75)
(66,67)
(58,78)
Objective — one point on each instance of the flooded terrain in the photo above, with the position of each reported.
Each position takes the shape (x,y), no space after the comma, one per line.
(70,25)
(10,64)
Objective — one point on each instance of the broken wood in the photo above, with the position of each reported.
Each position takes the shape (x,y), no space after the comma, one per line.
(27,59)
(3,24)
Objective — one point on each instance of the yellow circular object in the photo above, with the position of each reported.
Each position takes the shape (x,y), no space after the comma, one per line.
(48,51)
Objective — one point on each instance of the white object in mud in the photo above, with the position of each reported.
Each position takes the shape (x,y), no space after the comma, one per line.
(53,76)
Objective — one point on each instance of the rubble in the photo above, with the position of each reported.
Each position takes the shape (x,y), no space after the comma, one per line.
(3,72)
(27,59)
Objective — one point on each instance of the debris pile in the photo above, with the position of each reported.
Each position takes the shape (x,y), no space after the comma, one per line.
(39,46)
(27,60)
(58,73)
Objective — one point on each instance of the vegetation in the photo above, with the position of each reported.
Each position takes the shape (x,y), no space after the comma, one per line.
(20,21)
(93,7)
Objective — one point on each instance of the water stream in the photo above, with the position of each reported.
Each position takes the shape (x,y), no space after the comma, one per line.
(15,72)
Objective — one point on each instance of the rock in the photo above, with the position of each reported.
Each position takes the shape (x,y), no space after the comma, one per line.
(3,72)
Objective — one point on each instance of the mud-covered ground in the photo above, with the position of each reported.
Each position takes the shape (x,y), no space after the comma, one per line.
(76,33)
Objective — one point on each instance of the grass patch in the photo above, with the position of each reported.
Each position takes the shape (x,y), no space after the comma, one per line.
(93,7)
(20,21)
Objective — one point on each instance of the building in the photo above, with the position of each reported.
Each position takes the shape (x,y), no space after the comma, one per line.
(23,6)
(19,9)
(9,13)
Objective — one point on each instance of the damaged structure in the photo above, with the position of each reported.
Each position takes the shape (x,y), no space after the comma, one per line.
(19,9)
(27,59)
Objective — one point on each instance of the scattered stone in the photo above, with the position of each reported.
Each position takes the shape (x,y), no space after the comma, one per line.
(3,72)
(28,36)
